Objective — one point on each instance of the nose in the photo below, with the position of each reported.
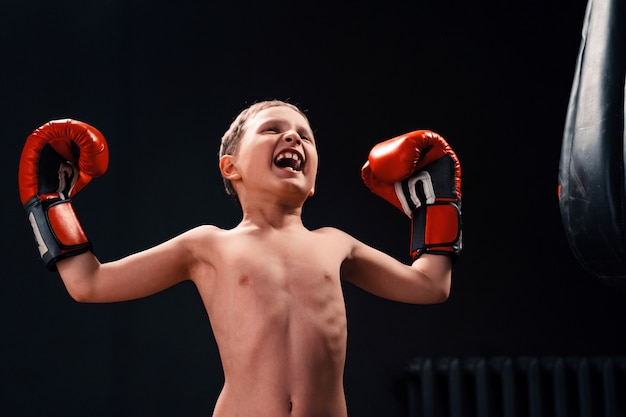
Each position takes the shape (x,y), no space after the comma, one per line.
(292,137)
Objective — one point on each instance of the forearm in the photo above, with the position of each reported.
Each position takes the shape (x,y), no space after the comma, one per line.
(79,274)
(437,271)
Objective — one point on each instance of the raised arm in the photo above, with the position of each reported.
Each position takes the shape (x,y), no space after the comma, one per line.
(135,276)
(420,174)
(58,159)
(426,281)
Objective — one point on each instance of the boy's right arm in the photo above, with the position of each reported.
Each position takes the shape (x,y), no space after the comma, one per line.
(135,276)
(58,159)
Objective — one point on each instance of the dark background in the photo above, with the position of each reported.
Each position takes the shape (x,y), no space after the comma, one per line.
(163,80)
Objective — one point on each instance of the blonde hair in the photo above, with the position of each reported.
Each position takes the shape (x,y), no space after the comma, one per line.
(232,137)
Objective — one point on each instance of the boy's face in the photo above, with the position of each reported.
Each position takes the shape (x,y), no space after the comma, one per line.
(277,153)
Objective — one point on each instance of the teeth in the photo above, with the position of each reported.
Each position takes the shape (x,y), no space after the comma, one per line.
(295,165)
(289,155)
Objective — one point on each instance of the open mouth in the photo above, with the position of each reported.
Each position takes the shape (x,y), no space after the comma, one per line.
(289,159)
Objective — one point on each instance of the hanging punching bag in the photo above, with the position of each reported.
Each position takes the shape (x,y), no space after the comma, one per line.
(592,194)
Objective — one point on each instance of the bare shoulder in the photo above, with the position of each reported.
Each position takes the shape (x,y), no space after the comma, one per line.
(335,234)
(201,233)
(202,241)
(352,244)
(330,231)
(338,241)
(203,246)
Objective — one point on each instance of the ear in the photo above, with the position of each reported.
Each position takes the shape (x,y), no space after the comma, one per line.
(312,192)
(228,168)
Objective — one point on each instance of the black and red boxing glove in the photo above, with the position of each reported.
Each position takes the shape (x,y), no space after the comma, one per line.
(58,160)
(420,174)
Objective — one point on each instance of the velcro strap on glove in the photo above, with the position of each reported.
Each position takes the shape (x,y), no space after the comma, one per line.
(57,231)
(436,230)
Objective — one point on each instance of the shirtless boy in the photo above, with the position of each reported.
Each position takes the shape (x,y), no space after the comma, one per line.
(271,287)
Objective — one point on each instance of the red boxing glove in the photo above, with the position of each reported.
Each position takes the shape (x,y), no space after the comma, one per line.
(420,174)
(58,160)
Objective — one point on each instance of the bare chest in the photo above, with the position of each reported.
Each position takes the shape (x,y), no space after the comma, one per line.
(280,273)
(298,271)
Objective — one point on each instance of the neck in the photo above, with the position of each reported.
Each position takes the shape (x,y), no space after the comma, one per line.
(276,216)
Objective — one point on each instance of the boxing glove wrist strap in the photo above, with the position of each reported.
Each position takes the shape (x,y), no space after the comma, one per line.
(436,230)
(57,230)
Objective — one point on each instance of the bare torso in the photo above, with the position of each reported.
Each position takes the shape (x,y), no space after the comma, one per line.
(275,301)
(276,307)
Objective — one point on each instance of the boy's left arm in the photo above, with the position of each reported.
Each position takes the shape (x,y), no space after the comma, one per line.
(420,174)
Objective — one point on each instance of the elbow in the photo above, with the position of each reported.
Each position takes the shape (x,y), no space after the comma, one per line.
(437,294)
(78,295)
(441,295)
(78,277)
(432,295)
(79,291)
(434,278)
(437,298)
(441,287)
(441,292)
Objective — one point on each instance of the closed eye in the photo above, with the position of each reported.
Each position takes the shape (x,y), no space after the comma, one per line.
(305,136)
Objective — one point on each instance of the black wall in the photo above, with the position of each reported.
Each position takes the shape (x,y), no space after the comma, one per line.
(162,80)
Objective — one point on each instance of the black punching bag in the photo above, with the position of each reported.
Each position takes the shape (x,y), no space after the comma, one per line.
(591,172)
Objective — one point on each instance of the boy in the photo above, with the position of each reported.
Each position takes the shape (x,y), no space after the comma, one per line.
(271,287)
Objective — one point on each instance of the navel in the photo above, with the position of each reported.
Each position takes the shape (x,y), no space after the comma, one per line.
(244,280)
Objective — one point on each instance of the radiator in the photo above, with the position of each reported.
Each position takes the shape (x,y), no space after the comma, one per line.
(517,387)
